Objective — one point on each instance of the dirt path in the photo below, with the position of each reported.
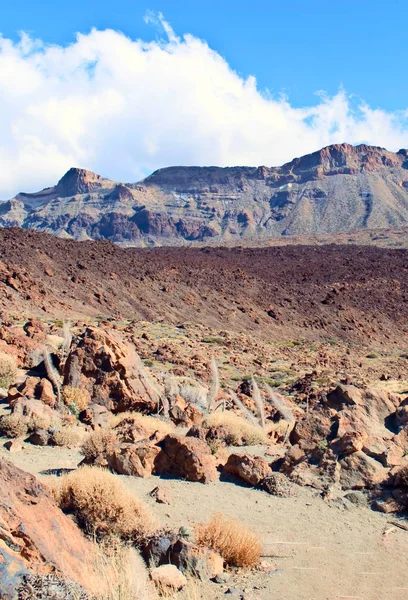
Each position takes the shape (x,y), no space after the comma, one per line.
(318,551)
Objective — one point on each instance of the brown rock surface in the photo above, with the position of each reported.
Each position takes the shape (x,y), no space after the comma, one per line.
(35,536)
(252,469)
(188,458)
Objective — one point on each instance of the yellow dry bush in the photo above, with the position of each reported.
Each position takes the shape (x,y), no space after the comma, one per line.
(13,426)
(100,442)
(237,544)
(239,430)
(8,369)
(75,395)
(36,422)
(68,437)
(103,505)
(149,423)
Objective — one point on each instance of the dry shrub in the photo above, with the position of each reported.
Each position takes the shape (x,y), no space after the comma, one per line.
(78,396)
(13,426)
(237,544)
(8,370)
(149,423)
(36,422)
(100,442)
(68,437)
(238,429)
(103,505)
(118,573)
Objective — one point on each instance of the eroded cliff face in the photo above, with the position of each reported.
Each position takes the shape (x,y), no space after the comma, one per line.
(339,188)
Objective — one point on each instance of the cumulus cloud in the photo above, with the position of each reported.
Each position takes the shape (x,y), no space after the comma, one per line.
(124,108)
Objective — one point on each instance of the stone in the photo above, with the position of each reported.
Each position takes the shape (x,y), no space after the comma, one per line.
(186,458)
(344,395)
(252,469)
(168,576)
(359,471)
(46,393)
(357,498)
(311,430)
(195,561)
(37,538)
(96,416)
(277,484)
(109,368)
(162,495)
(134,459)
(15,445)
(350,442)
(40,437)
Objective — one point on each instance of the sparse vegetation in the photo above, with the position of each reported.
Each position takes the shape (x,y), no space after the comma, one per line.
(239,429)
(79,397)
(68,437)
(8,370)
(13,426)
(100,442)
(238,546)
(148,422)
(103,506)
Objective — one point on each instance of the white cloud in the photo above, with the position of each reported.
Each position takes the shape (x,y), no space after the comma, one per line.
(124,107)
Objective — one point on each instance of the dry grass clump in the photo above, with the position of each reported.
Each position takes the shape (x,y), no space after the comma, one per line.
(149,423)
(80,397)
(237,544)
(100,442)
(68,437)
(8,370)
(103,506)
(13,426)
(239,430)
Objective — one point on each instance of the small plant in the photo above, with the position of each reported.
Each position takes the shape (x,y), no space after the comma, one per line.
(8,370)
(13,426)
(101,442)
(238,546)
(80,397)
(67,437)
(323,445)
(103,506)
(239,430)
(213,340)
(372,355)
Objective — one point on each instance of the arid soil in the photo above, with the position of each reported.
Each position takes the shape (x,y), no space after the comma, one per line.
(317,550)
(354,293)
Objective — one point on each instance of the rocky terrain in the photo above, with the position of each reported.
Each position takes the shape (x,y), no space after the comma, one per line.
(338,189)
(142,391)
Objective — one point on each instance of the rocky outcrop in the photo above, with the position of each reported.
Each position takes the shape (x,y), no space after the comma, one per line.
(110,369)
(187,458)
(36,538)
(338,188)
(252,469)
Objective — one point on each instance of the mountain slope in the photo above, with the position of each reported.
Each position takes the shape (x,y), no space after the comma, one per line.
(337,189)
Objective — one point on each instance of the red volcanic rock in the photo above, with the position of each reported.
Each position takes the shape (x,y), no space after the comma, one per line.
(252,469)
(186,457)
(35,536)
(109,368)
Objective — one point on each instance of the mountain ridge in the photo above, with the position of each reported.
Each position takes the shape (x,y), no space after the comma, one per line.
(337,189)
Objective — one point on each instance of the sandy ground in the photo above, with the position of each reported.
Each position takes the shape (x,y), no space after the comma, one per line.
(318,550)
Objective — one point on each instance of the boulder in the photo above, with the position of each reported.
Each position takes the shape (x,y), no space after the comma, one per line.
(187,458)
(311,430)
(109,368)
(134,459)
(252,469)
(15,445)
(359,471)
(344,395)
(35,536)
(277,484)
(46,393)
(161,494)
(195,561)
(168,576)
(96,416)
(350,442)
(188,416)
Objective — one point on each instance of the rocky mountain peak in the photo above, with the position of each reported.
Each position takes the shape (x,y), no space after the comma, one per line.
(79,181)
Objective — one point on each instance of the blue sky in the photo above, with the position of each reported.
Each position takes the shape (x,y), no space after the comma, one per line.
(95,84)
(295,46)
